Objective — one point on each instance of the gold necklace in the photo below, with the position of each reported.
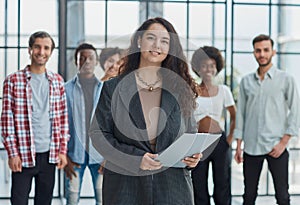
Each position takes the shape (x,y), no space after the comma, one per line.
(149,85)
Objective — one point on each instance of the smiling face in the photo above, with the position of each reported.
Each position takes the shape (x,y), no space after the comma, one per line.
(154,45)
(207,69)
(114,69)
(263,53)
(40,52)
(111,61)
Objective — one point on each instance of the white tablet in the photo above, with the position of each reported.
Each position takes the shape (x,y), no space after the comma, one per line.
(186,145)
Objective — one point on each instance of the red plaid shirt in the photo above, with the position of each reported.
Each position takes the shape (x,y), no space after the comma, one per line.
(16,117)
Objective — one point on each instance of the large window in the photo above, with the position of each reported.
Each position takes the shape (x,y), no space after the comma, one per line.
(278,19)
(18,19)
(111,23)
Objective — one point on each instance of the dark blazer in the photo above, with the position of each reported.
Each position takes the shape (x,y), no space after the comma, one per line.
(118,133)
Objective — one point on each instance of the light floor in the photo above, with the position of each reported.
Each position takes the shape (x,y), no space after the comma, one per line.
(262,200)
(265,186)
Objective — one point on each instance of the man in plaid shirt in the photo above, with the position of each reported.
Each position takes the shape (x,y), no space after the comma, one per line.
(34,124)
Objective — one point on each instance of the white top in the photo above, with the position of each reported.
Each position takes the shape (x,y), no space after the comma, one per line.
(213,106)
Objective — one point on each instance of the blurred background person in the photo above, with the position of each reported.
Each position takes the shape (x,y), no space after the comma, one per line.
(110,61)
(267,117)
(83,92)
(207,62)
(34,124)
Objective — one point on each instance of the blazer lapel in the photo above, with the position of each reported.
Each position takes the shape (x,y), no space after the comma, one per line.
(168,101)
(129,97)
(165,128)
(166,106)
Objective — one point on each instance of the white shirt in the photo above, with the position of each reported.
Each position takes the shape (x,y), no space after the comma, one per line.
(213,106)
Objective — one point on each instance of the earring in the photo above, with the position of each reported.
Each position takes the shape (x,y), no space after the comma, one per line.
(139,46)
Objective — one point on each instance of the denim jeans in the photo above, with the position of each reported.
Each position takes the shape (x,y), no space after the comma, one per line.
(73,187)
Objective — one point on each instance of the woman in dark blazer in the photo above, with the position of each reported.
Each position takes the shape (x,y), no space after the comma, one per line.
(141,113)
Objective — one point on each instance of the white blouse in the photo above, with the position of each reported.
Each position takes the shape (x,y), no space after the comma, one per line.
(213,106)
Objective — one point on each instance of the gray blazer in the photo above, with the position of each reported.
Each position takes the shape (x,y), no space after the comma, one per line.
(118,133)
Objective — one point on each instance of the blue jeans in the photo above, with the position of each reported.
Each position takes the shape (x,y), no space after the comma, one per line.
(73,187)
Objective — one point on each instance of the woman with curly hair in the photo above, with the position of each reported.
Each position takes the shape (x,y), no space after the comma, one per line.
(213,99)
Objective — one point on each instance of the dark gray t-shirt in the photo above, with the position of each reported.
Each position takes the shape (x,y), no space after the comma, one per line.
(88,87)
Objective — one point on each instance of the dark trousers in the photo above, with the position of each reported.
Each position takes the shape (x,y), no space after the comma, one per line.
(279,170)
(44,175)
(220,159)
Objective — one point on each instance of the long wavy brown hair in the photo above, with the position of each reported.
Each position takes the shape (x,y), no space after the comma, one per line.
(175,61)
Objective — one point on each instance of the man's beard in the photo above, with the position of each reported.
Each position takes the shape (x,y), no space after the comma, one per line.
(267,63)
